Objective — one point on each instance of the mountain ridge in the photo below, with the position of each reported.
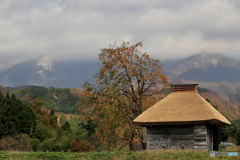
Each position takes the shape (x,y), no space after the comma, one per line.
(216,72)
(46,72)
(205,67)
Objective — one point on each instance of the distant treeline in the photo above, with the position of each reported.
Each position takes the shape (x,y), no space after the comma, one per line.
(56,99)
(202,90)
(61,99)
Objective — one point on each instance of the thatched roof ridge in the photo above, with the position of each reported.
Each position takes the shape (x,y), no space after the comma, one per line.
(181,108)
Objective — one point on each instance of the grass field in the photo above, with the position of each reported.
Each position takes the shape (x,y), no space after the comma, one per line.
(116,155)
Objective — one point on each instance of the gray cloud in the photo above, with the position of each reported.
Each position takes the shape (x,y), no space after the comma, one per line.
(79,29)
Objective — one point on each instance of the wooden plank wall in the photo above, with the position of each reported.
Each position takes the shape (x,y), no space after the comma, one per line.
(182,88)
(171,134)
(194,135)
(200,137)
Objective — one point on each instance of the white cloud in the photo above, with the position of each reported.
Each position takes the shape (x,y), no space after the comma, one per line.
(79,29)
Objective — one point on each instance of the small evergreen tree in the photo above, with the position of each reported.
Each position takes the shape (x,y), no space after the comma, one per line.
(1,97)
(15,117)
(53,119)
(62,119)
(66,126)
(9,122)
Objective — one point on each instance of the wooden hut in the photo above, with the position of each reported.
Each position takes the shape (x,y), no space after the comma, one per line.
(182,120)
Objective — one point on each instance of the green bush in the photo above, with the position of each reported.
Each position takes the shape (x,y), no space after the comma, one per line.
(43,132)
(46,145)
(222,147)
(48,155)
(35,143)
(65,142)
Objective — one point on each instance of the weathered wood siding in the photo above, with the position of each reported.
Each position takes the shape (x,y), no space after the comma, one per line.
(213,133)
(195,137)
(215,138)
(200,137)
(170,137)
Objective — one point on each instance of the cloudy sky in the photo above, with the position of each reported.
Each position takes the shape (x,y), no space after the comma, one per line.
(78,29)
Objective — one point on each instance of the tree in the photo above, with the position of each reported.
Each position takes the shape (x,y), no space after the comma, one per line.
(90,126)
(15,117)
(66,126)
(53,119)
(126,83)
(43,116)
(62,119)
(234,98)
(3,90)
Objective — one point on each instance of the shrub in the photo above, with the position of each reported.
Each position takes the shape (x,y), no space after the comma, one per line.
(43,132)
(47,155)
(46,145)
(222,147)
(16,143)
(80,146)
(35,144)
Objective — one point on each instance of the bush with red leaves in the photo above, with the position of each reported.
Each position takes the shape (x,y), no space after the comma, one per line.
(16,143)
(81,146)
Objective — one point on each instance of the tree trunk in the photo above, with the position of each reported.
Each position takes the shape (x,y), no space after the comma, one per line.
(131,141)
(131,146)
(144,146)
(142,133)
(144,136)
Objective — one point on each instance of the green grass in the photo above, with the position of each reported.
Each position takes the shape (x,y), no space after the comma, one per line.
(109,155)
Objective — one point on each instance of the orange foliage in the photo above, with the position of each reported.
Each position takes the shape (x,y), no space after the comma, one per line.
(77,93)
(42,114)
(81,146)
(25,98)
(125,87)
(3,90)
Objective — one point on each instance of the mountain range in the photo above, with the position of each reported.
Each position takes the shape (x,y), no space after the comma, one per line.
(205,68)
(46,72)
(216,72)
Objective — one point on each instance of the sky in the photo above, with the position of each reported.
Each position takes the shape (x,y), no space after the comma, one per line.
(78,29)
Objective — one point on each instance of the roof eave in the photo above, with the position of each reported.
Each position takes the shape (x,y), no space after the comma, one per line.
(216,122)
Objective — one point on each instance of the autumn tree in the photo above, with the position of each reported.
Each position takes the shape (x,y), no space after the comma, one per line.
(3,90)
(125,85)
(43,115)
(234,98)
(234,131)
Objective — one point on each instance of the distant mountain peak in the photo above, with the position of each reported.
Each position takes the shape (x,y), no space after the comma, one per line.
(216,59)
(45,62)
(203,60)
(206,67)
(215,62)
(44,71)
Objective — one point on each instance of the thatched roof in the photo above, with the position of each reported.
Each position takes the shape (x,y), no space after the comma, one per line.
(181,107)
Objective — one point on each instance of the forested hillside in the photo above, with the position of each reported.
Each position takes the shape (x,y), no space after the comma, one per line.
(56,99)
(67,130)
(32,127)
